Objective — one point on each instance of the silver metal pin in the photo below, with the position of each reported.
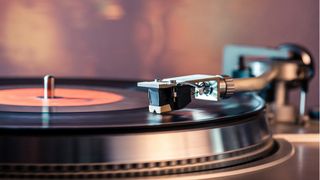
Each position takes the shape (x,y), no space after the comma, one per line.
(48,81)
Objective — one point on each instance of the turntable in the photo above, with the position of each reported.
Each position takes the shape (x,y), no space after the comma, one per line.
(81,128)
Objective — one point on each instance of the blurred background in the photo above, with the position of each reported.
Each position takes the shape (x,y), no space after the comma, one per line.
(144,39)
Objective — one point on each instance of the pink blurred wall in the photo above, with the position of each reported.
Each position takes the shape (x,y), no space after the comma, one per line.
(147,38)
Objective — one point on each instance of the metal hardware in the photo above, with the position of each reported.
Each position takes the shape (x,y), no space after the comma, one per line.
(48,81)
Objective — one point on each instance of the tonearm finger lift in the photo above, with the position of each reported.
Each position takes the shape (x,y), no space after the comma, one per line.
(271,72)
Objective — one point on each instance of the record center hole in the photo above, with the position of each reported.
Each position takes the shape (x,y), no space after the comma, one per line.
(55,97)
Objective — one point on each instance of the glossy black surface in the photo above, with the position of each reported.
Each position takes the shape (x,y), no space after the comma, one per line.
(239,107)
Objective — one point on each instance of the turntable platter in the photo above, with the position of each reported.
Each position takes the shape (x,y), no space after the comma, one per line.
(112,134)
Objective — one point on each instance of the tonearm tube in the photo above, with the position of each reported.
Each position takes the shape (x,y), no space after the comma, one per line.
(289,66)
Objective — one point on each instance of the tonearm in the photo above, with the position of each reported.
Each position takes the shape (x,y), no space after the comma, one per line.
(288,66)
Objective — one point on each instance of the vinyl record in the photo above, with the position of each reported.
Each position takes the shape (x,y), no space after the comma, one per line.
(106,104)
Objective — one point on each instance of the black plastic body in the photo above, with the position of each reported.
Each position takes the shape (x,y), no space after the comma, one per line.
(177,97)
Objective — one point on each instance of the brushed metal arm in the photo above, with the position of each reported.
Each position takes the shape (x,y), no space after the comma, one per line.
(255,83)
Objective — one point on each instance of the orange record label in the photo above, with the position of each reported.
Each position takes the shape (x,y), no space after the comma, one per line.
(63,97)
